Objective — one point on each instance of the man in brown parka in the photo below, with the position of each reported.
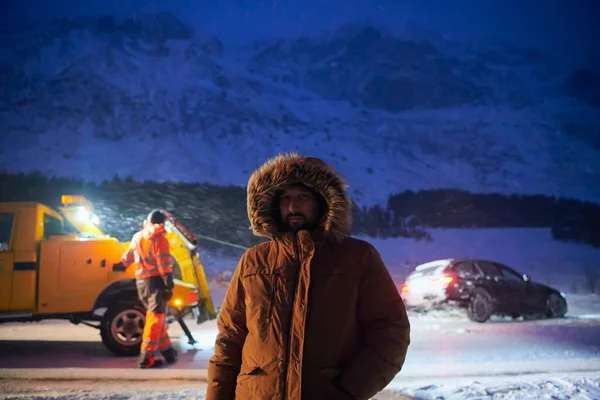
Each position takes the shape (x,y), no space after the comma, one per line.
(312,313)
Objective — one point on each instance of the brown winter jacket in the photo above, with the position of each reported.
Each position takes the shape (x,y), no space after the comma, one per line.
(313,315)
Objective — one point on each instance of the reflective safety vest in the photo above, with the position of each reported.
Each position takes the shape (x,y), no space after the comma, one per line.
(149,250)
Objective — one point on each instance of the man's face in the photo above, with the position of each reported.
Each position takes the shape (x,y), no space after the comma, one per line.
(299,208)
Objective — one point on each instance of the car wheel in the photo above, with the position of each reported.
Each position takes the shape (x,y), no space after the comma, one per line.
(122,328)
(556,306)
(480,307)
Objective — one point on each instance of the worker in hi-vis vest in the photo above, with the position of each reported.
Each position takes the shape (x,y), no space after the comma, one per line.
(149,251)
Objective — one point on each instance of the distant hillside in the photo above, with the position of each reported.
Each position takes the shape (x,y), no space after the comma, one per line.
(146,96)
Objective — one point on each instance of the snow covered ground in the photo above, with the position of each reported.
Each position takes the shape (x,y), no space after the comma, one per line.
(449,357)
(571,386)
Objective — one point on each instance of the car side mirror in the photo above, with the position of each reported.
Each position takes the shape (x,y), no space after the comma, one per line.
(526,277)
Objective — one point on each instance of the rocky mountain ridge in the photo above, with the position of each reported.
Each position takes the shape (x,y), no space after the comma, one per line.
(148,97)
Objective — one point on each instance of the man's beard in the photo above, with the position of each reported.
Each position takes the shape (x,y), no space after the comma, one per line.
(306,223)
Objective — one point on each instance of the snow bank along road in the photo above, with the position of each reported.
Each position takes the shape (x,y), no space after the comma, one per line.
(446,349)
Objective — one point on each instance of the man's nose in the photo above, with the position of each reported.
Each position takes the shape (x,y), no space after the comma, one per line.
(293,206)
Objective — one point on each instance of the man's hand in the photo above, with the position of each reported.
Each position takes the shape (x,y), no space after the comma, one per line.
(168,295)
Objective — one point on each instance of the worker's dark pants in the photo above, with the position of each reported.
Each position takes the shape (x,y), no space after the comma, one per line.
(152,295)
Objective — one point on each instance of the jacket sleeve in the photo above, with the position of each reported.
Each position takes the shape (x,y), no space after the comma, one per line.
(224,366)
(385,331)
(164,260)
(128,257)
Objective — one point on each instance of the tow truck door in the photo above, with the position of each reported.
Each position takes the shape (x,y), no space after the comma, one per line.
(84,270)
(6,259)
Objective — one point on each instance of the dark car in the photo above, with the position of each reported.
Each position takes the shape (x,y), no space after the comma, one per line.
(484,288)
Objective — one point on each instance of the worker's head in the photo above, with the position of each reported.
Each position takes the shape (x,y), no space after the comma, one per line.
(156,217)
(300,207)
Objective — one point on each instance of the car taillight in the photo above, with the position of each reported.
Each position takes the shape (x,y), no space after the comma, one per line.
(404,288)
(192,297)
(443,281)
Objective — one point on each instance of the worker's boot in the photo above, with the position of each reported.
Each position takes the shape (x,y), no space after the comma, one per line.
(170,355)
(148,361)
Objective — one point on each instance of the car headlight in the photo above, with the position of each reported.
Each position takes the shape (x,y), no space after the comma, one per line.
(564,296)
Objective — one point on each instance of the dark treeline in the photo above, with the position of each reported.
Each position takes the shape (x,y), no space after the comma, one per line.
(220,211)
(122,204)
(570,220)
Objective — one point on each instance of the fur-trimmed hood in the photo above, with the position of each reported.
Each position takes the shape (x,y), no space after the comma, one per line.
(270,178)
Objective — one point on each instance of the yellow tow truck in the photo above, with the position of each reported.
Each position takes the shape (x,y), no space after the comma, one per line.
(58,264)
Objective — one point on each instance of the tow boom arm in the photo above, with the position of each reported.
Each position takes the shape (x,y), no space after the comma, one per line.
(191,267)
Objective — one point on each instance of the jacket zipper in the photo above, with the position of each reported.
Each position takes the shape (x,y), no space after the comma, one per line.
(291,318)
(273,293)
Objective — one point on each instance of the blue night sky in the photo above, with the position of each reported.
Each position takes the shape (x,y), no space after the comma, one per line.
(566,27)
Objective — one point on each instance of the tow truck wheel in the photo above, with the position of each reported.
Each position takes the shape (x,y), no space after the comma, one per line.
(122,328)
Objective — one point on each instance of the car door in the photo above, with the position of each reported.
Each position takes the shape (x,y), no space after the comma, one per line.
(497,286)
(516,286)
(533,298)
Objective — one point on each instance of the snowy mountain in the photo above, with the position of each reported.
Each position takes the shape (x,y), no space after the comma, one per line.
(148,97)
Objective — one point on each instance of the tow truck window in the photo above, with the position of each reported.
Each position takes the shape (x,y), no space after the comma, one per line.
(52,226)
(6,226)
(69,229)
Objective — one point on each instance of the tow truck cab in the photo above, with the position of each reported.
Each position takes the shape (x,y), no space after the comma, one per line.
(51,268)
